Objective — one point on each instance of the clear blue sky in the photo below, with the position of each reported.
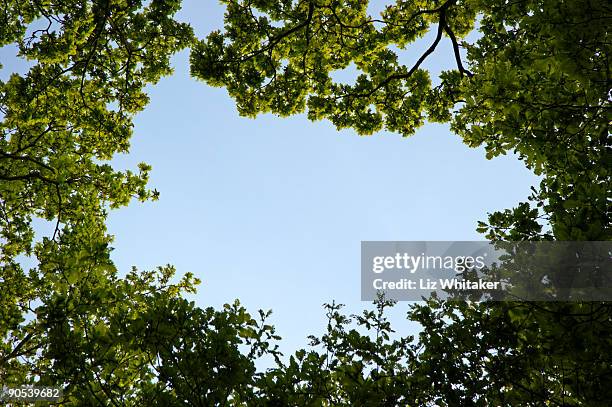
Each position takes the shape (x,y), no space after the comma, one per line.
(272,211)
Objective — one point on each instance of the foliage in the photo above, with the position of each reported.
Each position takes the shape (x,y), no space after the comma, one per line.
(70,320)
(536,82)
(61,122)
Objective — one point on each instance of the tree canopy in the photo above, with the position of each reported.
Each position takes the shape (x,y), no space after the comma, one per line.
(536,82)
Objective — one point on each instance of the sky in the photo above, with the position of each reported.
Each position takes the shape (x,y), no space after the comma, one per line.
(272,210)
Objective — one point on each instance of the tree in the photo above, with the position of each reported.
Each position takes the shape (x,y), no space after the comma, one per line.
(537,82)
(61,121)
(70,320)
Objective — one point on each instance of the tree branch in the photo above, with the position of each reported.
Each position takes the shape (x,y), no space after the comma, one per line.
(15,352)
(453,39)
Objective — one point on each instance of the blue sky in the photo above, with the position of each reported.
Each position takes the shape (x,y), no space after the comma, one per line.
(272,210)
